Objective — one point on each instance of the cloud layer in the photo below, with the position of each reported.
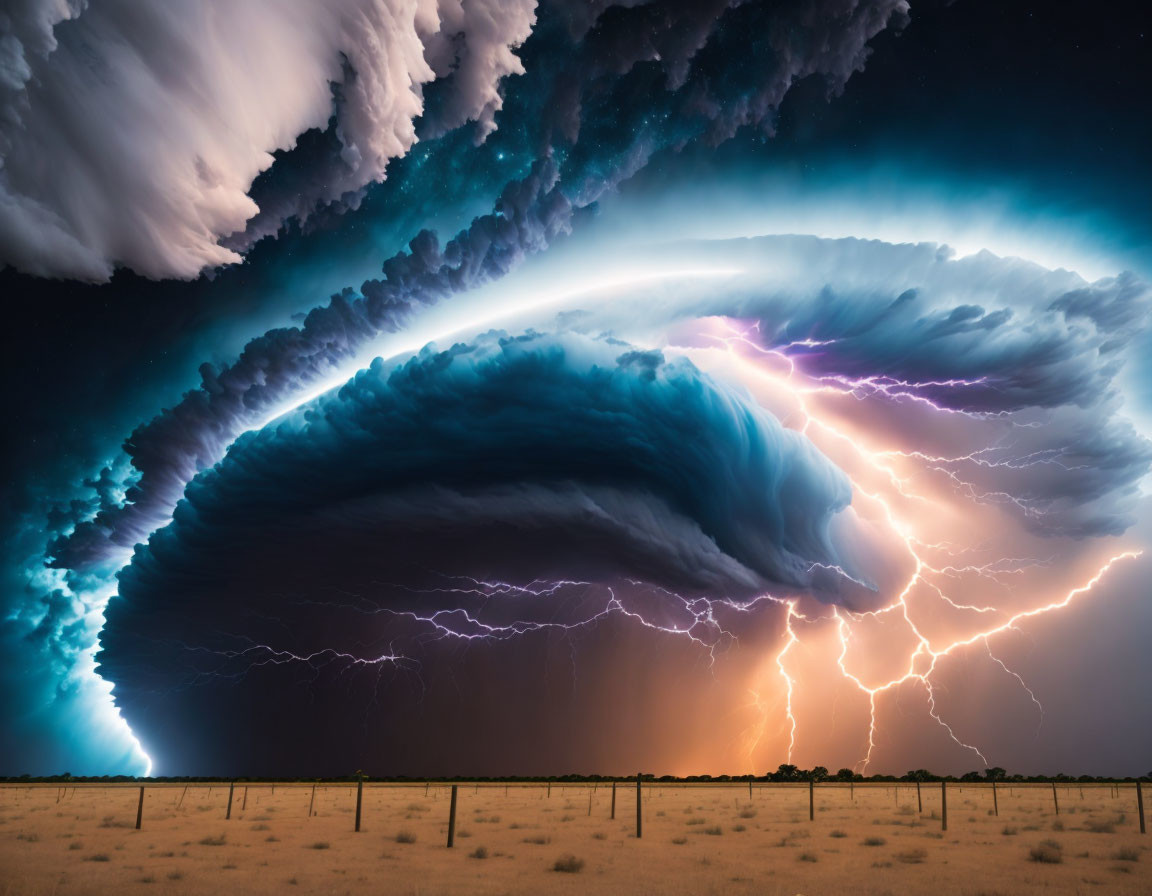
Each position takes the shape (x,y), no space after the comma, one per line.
(131,136)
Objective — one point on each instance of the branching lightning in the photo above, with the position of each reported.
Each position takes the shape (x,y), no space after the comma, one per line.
(925,652)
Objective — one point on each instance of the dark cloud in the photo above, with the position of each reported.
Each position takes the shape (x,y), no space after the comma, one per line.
(511,459)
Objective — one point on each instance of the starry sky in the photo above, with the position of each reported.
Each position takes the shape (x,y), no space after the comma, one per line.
(499,388)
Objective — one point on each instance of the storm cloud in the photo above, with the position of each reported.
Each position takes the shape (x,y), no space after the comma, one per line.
(131,135)
(518,459)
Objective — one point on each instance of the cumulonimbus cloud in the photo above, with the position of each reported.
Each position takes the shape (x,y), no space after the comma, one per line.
(130,134)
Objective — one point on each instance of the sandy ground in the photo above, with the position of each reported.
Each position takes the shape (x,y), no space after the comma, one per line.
(696,839)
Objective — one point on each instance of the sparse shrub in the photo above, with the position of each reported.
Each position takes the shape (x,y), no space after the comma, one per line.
(111,821)
(565,817)
(1009,831)
(418,807)
(75,844)
(146,879)
(568,864)
(1100,827)
(679,841)
(259,827)
(271,838)
(99,857)
(1049,852)
(463,832)
(874,841)
(714,831)
(320,844)
(695,821)
(405,837)
(214,841)
(807,857)
(1126,854)
(478,853)
(838,834)
(739,828)
(30,837)
(748,813)
(175,875)
(538,840)
(599,835)
(913,856)
(1057,825)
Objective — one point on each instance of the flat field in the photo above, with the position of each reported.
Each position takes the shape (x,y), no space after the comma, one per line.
(697,839)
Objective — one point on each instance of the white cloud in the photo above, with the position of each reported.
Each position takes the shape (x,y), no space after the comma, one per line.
(130,133)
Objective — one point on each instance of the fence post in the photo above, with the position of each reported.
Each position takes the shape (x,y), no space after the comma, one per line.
(140,808)
(613,800)
(231,787)
(995,802)
(244,805)
(359,799)
(1140,806)
(1055,802)
(811,800)
(943,805)
(919,801)
(549,789)
(312,802)
(452,819)
(749,788)
(589,803)
(639,816)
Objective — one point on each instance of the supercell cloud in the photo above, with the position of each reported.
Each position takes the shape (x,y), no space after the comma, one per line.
(626,480)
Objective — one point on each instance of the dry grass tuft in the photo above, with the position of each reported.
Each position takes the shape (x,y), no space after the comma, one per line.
(1049,852)
(568,864)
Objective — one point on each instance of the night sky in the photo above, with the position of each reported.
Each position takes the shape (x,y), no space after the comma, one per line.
(517,388)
